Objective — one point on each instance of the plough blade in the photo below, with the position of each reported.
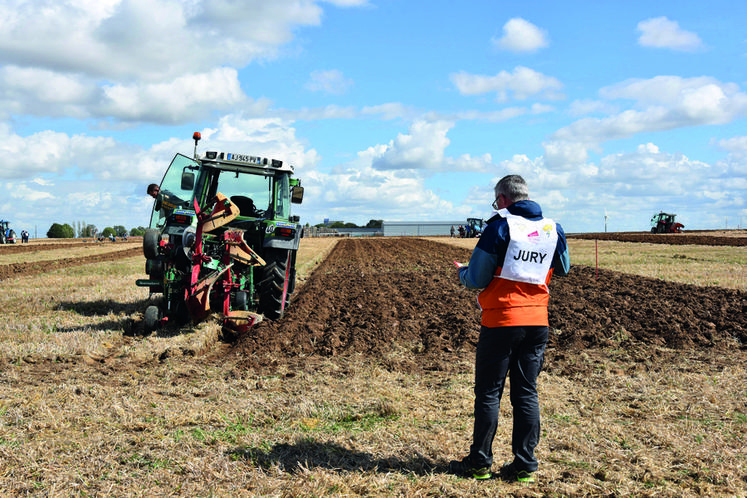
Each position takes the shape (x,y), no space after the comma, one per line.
(239,250)
(241,321)
(223,212)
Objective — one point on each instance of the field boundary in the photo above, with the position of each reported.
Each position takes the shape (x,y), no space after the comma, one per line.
(14,270)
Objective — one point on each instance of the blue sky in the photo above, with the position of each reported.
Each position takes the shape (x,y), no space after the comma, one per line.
(389,109)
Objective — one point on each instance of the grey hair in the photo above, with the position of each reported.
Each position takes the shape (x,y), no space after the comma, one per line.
(513,188)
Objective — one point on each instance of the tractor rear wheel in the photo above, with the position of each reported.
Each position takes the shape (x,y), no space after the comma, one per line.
(276,283)
(151,239)
(12,237)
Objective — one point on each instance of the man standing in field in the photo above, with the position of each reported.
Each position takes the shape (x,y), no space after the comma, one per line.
(513,262)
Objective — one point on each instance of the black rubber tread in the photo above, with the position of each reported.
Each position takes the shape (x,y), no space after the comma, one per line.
(151,239)
(156,269)
(274,296)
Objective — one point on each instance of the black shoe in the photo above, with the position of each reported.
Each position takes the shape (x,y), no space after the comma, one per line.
(509,472)
(466,468)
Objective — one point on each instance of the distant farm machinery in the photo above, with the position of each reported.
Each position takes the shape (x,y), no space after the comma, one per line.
(7,235)
(664,223)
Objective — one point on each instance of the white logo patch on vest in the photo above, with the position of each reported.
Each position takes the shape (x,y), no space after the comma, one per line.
(530,249)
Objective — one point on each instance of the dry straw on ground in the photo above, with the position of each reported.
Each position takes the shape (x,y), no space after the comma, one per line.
(87,410)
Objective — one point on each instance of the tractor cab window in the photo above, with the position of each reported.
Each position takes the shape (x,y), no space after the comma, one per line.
(250,193)
(282,203)
(173,193)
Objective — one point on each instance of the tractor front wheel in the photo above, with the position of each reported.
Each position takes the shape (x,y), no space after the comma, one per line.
(276,283)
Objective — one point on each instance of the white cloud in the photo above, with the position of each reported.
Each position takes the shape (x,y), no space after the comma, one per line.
(117,59)
(330,81)
(148,39)
(631,186)
(185,98)
(269,137)
(661,103)
(348,3)
(365,193)
(586,107)
(25,91)
(317,113)
(564,155)
(21,191)
(391,110)
(520,35)
(423,148)
(522,84)
(735,145)
(660,32)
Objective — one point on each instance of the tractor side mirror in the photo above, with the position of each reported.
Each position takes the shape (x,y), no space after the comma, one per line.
(188,180)
(297,195)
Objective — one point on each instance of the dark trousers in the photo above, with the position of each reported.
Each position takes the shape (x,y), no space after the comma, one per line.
(519,353)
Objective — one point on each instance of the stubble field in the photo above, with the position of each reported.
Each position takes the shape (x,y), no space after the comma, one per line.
(364,388)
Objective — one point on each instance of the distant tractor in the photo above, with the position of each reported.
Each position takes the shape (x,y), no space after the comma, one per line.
(664,223)
(7,235)
(475,227)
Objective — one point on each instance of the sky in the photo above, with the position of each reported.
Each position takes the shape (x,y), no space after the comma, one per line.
(396,110)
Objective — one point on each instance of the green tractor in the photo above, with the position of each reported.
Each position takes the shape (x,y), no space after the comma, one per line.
(222,239)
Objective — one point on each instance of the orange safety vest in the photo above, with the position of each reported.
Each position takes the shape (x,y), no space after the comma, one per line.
(520,297)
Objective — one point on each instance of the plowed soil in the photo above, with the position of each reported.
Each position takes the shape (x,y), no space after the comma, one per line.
(684,238)
(37,267)
(399,301)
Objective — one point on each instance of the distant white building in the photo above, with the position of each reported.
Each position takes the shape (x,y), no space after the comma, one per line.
(420,228)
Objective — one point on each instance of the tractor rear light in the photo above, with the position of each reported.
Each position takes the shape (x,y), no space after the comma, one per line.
(285,232)
(182,219)
(276,163)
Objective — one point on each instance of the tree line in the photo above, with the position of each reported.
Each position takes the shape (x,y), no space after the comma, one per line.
(81,230)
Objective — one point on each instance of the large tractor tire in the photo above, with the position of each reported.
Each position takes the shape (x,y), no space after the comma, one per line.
(12,237)
(151,240)
(2,237)
(277,282)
